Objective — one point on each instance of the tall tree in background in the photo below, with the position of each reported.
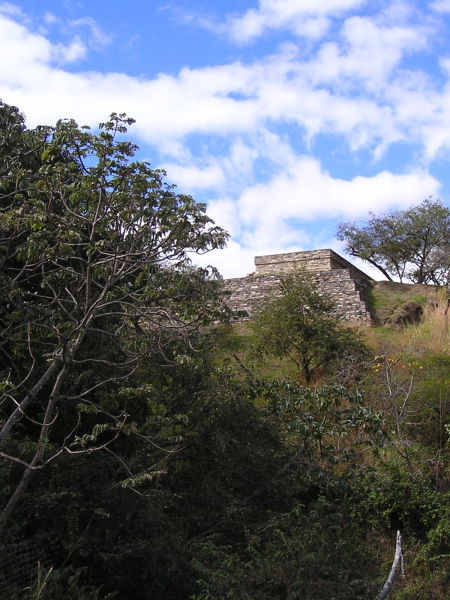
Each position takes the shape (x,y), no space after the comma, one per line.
(412,244)
(95,280)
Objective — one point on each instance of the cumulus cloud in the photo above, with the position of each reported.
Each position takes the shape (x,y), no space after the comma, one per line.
(234,261)
(192,178)
(306,191)
(304,18)
(252,117)
(51,19)
(275,216)
(366,41)
(237,98)
(32,50)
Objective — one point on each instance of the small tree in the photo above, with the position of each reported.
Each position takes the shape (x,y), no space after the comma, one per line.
(302,326)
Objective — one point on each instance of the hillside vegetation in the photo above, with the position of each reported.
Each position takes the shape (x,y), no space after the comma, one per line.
(387,299)
(404,476)
(151,448)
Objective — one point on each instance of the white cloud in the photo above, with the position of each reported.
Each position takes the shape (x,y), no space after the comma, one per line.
(98,38)
(235,99)
(367,42)
(274,217)
(192,178)
(30,54)
(233,261)
(24,49)
(440,5)
(11,9)
(62,54)
(51,19)
(304,18)
(354,86)
(306,191)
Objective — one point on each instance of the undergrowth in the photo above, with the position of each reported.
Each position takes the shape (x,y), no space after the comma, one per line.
(432,334)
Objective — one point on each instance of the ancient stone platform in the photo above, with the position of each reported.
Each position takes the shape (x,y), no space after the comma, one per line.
(333,275)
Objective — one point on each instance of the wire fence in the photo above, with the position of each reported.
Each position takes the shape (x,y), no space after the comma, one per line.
(22,565)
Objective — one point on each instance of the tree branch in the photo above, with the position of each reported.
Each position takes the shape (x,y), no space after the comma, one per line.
(391,577)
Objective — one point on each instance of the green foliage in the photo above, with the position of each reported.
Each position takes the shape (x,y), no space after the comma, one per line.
(307,547)
(51,584)
(307,553)
(410,244)
(328,425)
(96,284)
(301,325)
(136,467)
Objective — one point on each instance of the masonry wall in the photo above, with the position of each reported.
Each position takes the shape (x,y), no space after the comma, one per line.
(345,285)
(311,260)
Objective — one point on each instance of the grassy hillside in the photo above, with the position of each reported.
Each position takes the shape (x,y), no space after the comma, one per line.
(386,299)
(411,318)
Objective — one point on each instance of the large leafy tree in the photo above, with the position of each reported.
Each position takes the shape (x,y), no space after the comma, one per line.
(95,284)
(412,244)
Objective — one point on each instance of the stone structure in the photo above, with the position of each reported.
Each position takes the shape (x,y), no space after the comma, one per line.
(334,275)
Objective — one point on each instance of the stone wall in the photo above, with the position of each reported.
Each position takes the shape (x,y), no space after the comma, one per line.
(311,260)
(335,276)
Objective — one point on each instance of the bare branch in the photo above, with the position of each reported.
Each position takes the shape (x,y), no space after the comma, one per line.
(387,588)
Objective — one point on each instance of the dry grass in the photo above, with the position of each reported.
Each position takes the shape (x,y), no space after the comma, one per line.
(386,297)
(433,333)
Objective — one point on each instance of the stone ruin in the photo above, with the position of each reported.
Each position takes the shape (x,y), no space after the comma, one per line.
(333,275)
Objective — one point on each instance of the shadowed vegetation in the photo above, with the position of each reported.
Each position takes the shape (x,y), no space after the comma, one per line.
(148,450)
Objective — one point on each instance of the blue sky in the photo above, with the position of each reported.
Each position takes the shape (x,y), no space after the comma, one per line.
(285,116)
